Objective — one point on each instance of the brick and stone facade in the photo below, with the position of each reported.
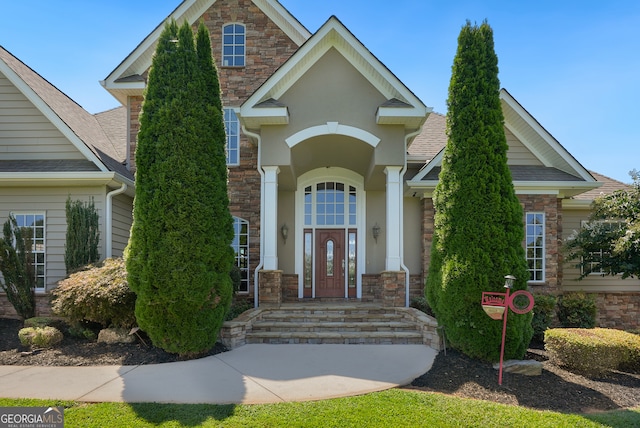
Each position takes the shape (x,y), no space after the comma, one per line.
(551,206)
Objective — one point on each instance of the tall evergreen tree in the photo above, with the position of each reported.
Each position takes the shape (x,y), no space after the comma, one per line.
(83,234)
(179,255)
(479,231)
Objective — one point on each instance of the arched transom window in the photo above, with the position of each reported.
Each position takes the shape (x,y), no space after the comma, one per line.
(330,204)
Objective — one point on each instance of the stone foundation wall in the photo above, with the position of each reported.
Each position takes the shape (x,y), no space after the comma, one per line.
(618,310)
(290,288)
(43,306)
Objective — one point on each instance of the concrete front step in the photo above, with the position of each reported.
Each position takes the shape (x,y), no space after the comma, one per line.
(347,338)
(318,326)
(325,316)
(331,323)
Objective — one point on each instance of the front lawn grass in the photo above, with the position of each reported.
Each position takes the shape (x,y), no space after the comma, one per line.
(393,408)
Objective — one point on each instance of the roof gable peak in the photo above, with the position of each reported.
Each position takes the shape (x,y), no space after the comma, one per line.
(334,35)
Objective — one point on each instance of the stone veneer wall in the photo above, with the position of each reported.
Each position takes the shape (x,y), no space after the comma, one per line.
(267,48)
(43,306)
(551,206)
(618,310)
(290,288)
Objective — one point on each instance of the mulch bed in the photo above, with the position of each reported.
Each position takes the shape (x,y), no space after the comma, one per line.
(452,373)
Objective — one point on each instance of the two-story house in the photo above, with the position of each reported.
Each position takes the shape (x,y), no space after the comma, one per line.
(332,164)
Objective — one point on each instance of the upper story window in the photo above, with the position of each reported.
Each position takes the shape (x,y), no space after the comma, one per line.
(35,222)
(535,246)
(232,128)
(233,45)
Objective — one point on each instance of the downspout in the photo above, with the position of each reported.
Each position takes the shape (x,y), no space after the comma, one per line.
(109,218)
(402,265)
(261,172)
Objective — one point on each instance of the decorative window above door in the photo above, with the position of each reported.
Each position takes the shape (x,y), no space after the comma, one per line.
(330,204)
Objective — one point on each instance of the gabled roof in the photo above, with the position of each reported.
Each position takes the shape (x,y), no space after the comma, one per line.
(401,108)
(559,173)
(80,128)
(609,186)
(127,78)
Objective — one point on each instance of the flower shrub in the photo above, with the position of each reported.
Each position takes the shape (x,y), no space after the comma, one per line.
(98,294)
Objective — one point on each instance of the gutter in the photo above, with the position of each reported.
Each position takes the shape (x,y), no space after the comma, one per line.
(261,172)
(109,218)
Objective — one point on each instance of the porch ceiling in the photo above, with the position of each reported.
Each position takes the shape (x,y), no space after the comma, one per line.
(327,151)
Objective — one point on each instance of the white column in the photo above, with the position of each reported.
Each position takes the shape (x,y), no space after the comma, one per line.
(270,226)
(393,229)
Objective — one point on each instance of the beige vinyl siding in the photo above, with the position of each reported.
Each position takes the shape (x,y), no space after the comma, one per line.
(25,133)
(122,220)
(518,154)
(572,220)
(51,202)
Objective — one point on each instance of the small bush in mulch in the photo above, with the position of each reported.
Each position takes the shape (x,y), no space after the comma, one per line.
(40,337)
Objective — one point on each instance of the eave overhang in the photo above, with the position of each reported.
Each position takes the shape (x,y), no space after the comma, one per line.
(256,117)
(562,189)
(411,117)
(65,179)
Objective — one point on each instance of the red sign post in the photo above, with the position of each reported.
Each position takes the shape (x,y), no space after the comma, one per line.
(497,306)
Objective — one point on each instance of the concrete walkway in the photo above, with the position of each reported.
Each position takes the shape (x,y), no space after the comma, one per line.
(251,374)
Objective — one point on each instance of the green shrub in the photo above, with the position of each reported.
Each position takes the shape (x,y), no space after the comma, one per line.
(45,322)
(16,266)
(543,310)
(577,310)
(592,352)
(237,307)
(40,337)
(84,330)
(421,304)
(99,294)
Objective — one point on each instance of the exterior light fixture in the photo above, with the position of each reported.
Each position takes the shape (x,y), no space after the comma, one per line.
(508,281)
(284,230)
(376,231)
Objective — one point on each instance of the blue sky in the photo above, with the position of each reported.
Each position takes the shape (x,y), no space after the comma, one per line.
(574,65)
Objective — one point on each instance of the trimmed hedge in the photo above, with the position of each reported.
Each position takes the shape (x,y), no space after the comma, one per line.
(592,352)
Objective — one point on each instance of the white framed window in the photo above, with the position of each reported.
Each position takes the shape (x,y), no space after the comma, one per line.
(240,245)
(36,223)
(595,257)
(535,246)
(332,204)
(232,129)
(233,45)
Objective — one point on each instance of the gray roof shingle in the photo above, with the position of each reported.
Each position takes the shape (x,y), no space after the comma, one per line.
(84,125)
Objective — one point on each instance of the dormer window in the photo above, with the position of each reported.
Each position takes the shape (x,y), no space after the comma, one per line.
(233,45)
